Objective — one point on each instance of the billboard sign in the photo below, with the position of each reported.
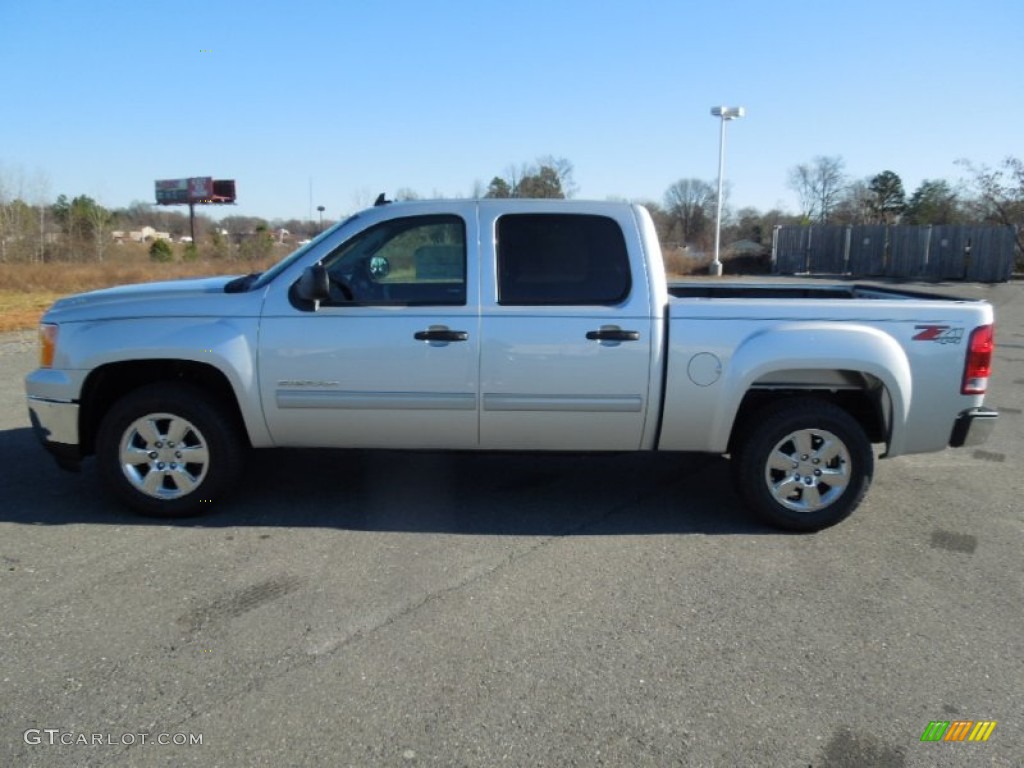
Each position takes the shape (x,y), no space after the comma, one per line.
(171,191)
(198,189)
(224,190)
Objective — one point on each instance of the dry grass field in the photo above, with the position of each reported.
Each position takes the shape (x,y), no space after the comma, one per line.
(20,310)
(26,290)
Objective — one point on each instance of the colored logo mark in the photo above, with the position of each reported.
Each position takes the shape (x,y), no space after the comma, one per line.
(942,334)
(958,730)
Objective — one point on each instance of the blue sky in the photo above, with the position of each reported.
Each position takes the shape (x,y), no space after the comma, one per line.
(102,97)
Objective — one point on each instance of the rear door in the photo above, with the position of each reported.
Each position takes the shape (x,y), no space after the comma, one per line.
(566,329)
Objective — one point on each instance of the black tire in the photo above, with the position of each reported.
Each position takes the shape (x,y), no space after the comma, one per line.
(828,462)
(156,477)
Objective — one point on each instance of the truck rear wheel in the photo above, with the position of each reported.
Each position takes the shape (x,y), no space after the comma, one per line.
(166,450)
(805,465)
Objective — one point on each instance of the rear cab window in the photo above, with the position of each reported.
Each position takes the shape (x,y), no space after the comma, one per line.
(546,259)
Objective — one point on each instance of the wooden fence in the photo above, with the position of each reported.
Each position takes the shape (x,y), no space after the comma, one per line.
(977,254)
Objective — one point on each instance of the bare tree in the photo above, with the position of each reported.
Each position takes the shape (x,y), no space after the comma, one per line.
(855,204)
(40,192)
(691,204)
(563,169)
(21,222)
(99,220)
(819,185)
(998,195)
(513,175)
(13,211)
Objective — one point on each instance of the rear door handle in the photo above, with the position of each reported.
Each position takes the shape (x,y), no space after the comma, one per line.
(441,334)
(613,334)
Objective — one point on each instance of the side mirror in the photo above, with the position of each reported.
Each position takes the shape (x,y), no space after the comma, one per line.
(314,285)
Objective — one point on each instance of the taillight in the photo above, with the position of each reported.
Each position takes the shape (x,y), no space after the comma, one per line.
(978,367)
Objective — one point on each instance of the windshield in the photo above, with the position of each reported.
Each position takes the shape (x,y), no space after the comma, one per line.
(290,259)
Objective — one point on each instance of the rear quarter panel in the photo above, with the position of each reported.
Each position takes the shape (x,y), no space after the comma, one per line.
(719,348)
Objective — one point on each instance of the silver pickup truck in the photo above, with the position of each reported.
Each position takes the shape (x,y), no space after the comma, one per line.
(499,325)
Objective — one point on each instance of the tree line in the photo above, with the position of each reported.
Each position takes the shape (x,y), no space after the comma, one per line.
(80,228)
(828,195)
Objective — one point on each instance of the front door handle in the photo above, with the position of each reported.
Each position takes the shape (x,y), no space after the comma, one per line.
(441,334)
(613,334)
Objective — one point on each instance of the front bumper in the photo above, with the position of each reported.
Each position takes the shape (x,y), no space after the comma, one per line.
(56,425)
(973,427)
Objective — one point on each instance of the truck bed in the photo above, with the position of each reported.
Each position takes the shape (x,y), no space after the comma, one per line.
(702,290)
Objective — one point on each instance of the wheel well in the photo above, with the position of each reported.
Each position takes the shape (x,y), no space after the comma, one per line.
(868,406)
(109,383)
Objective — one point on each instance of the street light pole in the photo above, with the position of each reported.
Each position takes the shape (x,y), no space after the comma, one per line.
(724,113)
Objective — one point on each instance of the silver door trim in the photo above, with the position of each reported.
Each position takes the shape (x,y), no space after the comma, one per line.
(371,401)
(570,403)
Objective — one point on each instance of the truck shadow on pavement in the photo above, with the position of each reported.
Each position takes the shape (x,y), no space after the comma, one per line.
(507,494)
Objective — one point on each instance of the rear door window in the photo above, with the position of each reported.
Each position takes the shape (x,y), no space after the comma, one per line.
(561,259)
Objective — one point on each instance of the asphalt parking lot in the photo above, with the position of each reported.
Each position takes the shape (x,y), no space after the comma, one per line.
(365,609)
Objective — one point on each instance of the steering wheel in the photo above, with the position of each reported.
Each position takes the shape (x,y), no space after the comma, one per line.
(345,288)
(340,285)
(364,285)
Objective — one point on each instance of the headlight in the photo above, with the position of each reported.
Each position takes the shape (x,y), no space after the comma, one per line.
(47,344)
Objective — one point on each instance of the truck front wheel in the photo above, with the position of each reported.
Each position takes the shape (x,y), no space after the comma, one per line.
(805,465)
(166,450)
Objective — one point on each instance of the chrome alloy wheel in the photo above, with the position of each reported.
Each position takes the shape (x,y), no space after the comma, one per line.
(808,470)
(164,456)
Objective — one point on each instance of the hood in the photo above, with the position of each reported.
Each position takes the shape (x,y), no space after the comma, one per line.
(182,298)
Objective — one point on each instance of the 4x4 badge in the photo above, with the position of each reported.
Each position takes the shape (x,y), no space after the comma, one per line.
(941,334)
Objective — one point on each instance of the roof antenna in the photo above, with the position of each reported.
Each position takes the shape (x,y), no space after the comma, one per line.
(381,200)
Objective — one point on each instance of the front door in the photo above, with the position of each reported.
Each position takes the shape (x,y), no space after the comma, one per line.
(391,361)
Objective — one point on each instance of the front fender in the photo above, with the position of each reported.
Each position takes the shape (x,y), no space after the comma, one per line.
(227,344)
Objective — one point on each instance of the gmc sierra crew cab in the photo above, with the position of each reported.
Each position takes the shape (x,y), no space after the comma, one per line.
(507,325)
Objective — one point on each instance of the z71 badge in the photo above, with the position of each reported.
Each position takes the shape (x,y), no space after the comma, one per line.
(941,334)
